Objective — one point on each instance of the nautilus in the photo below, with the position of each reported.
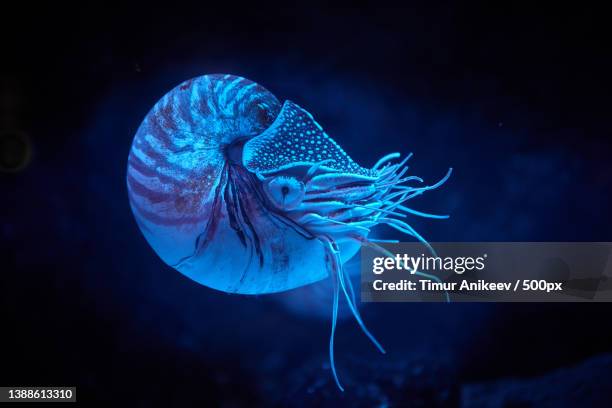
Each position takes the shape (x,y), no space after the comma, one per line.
(245,194)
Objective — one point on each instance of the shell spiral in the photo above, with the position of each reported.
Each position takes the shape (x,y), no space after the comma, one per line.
(189,190)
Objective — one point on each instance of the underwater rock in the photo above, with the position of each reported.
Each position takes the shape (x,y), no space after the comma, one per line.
(414,381)
(585,385)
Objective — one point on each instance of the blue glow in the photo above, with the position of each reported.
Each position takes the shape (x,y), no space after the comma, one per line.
(244,195)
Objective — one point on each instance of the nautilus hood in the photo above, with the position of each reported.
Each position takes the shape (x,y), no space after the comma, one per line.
(296,138)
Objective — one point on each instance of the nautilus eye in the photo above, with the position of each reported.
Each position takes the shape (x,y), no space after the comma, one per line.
(285,192)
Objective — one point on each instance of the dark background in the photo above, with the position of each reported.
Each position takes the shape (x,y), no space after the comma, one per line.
(516,99)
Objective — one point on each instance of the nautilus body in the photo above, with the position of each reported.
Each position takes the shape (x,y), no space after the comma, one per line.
(245,194)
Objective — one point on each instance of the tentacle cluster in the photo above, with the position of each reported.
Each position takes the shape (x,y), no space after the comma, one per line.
(396,193)
(343,202)
(349,205)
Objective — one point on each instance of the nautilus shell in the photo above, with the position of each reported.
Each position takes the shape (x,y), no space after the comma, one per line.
(245,194)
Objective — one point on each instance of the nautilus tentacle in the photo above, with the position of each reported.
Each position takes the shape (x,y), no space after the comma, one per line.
(341,281)
(247,195)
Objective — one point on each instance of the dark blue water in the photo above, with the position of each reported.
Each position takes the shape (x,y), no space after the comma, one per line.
(531,163)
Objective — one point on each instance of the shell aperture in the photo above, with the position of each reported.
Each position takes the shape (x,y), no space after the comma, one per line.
(245,195)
